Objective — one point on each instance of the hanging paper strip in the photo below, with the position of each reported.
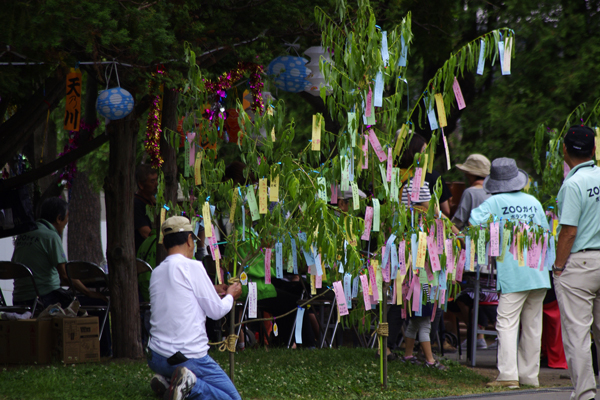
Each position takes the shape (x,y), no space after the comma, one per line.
(403,52)
(447,150)
(252,300)
(460,101)
(340,298)
(507,55)
(481,63)
(385,54)
(439,102)
(274,190)
(378,101)
(316,133)
(73,101)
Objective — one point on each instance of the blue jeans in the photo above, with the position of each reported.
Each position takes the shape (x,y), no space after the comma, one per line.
(212,382)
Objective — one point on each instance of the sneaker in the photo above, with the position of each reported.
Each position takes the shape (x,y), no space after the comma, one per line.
(182,382)
(159,385)
(508,384)
(412,359)
(481,344)
(435,365)
(494,345)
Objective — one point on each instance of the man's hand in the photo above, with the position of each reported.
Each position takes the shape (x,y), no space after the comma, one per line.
(235,290)
(221,289)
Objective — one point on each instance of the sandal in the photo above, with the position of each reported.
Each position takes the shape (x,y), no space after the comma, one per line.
(412,359)
(435,365)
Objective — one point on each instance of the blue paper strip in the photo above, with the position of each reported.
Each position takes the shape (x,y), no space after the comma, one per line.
(385,54)
(378,101)
(347,290)
(431,114)
(403,51)
(279,260)
(299,320)
(481,64)
(501,54)
(468,253)
(295,256)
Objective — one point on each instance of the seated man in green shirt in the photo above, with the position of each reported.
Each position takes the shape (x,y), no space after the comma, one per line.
(42,252)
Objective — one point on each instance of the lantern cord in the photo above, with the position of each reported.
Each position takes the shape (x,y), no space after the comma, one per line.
(108,73)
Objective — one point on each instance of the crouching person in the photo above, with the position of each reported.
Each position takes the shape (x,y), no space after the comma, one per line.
(181,297)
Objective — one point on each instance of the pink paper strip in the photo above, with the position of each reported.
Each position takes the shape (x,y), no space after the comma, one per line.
(319,281)
(442,296)
(416,297)
(439,235)
(376,146)
(373,280)
(494,239)
(368,223)
(268,266)
(190,138)
(369,103)
(402,257)
(462,258)
(365,289)
(433,254)
(415,188)
(334,194)
(460,101)
(340,297)
(449,257)
(428,271)
(434,310)
(385,272)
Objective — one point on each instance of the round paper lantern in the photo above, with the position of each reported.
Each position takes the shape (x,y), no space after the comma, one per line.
(289,73)
(115,103)
(316,78)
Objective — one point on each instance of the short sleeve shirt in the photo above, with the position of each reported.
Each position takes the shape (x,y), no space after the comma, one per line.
(471,198)
(514,206)
(579,205)
(41,251)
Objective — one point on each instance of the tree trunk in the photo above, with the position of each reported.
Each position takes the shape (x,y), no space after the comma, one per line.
(169,155)
(84,234)
(120,254)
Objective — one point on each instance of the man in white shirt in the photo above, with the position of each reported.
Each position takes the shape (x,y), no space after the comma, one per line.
(181,297)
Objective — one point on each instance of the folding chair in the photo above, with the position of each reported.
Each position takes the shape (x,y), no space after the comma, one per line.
(14,270)
(92,276)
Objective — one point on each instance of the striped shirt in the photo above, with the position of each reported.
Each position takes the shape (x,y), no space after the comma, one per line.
(424,194)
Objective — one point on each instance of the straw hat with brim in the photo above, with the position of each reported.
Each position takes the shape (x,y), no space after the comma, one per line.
(505,177)
(176,225)
(476,165)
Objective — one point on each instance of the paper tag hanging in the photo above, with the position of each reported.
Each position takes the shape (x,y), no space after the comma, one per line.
(294,256)
(494,239)
(394,189)
(481,259)
(299,321)
(334,195)
(384,182)
(244,278)
(446,150)
(481,63)
(368,223)
(322,188)
(232,209)
(365,150)
(377,146)
(197,170)
(460,101)
(507,55)
(279,260)
(252,300)
(251,198)
(378,101)
(262,196)
(206,217)
(163,214)
(73,101)
(415,188)
(403,52)
(376,215)
(268,266)
(186,165)
(352,127)
(389,166)
(340,298)
(439,102)
(385,55)
(274,190)
(355,198)
(501,55)
(369,106)
(433,124)
(316,133)
(348,290)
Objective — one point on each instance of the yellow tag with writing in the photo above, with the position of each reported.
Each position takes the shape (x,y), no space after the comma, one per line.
(554,226)
(439,102)
(399,282)
(262,196)
(370,288)
(163,213)
(400,140)
(234,197)
(273,134)
(206,216)
(421,250)
(274,192)
(472,255)
(316,133)
(197,170)
(313,284)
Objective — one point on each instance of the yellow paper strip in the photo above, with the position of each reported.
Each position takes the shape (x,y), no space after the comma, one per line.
(425,163)
(439,102)
(316,133)
(262,196)
(421,250)
(234,197)
(163,214)
(274,192)
(206,216)
(313,284)
(197,167)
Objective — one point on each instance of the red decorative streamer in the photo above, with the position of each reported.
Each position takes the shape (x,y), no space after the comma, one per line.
(153,130)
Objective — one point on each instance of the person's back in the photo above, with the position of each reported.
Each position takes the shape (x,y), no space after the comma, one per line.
(41,251)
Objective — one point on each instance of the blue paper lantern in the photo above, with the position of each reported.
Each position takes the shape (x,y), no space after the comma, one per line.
(115,103)
(289,73)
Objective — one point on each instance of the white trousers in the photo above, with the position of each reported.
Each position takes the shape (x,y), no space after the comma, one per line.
(578,295)
(519,358)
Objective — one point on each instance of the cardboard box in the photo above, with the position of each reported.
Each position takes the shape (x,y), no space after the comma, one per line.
(77,339)
(26,341)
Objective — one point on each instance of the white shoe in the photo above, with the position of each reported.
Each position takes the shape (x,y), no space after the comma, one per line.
(481,344)
(494,345)
(182,382)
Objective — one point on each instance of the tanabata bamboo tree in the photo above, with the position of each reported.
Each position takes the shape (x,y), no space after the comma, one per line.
(298,218)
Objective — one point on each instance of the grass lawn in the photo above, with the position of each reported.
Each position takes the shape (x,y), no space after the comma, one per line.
(278,373)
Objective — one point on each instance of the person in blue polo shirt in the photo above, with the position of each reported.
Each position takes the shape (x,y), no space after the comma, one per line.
(522,289)
(577,265)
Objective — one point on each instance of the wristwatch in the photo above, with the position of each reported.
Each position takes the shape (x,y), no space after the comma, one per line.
(554,269)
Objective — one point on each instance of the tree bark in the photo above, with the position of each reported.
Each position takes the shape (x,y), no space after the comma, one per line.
(84,233)
(169,155)
(120,254)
